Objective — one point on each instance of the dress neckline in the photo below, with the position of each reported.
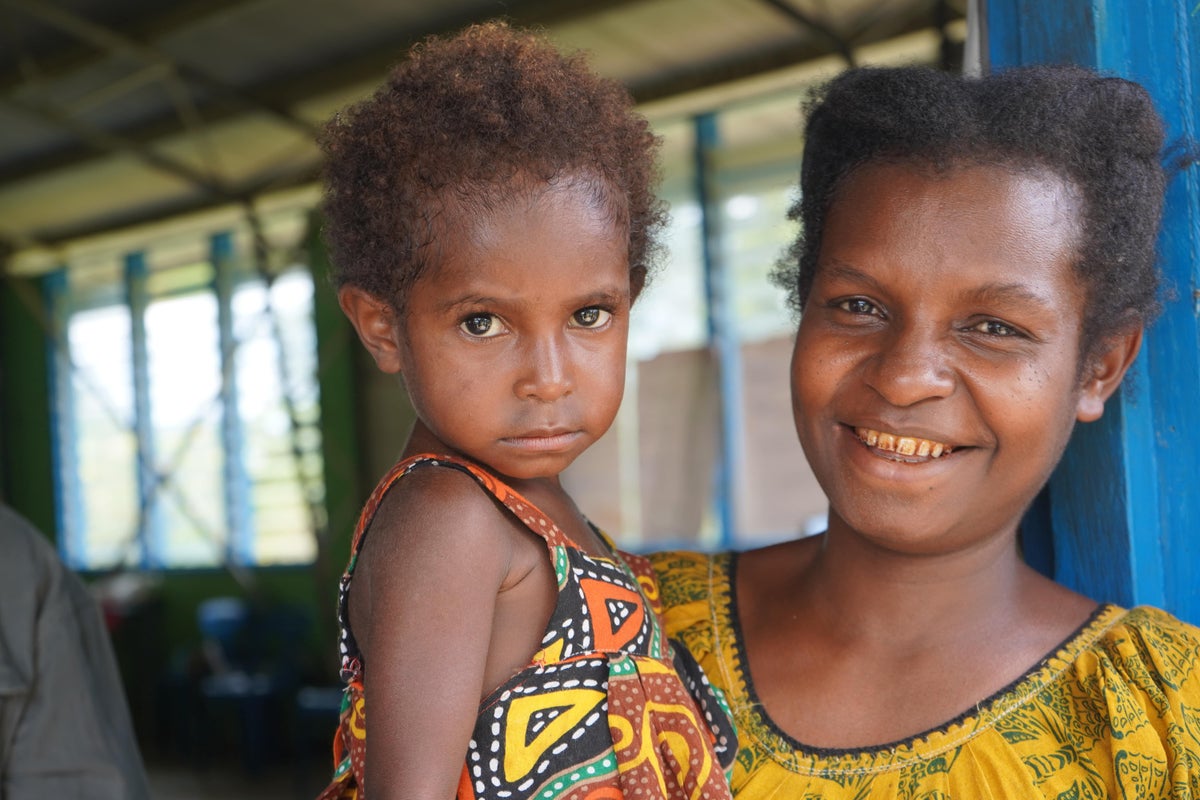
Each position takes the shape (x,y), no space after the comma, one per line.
(797,756)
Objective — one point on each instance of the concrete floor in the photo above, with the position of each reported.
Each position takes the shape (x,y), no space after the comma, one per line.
(170,781)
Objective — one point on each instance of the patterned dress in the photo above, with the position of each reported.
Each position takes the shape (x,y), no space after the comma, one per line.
(1114,712)
(606,709)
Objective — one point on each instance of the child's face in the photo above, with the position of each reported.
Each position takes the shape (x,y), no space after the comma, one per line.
(513,346)
(944,318)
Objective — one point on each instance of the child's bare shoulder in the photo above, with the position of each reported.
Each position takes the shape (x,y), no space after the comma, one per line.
(439,507)
(437,540)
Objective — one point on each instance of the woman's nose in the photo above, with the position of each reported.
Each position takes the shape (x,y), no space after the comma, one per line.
(911,366)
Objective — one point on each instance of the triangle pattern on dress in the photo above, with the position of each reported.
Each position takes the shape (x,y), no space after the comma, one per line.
(617,613)
(531,729)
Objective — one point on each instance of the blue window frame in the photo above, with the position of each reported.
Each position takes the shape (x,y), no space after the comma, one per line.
(186,412)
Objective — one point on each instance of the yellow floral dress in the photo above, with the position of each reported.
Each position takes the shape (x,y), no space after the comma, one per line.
(1113,713)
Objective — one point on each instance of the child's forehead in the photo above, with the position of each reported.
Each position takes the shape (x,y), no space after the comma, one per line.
(471,215)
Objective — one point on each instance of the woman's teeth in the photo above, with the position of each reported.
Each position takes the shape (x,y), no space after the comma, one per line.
(903,445)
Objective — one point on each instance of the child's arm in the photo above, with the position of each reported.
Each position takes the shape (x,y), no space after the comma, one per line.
(437,554)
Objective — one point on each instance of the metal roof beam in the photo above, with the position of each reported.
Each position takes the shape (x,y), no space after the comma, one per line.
(840,44)
(108,39)
(342,71)
(106,142)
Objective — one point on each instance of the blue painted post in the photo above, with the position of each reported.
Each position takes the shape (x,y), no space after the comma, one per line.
(722,332)
(72,542)
(1124,511)
(239,542)
(151,532)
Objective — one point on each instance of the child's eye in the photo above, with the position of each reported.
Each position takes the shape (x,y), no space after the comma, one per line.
(482,326)
(859,305)
(994,327)
(590,317)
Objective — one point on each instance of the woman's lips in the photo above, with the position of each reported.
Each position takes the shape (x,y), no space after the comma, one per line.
(910,446)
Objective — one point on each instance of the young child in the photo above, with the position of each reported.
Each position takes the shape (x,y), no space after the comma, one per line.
(491,218)
(976,266)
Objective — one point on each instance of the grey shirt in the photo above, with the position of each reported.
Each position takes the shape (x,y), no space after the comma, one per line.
(65,730)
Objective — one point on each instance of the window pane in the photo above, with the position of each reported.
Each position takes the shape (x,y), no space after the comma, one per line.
(185,381)
(777,496)
(104,533)
(672,313)
(283,464)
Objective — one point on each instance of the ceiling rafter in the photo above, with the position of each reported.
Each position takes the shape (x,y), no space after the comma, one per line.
(76,56)
(762,61)
(166,209)
(106,142)
(108,39)
(355,66)
(284,92)
(840,44)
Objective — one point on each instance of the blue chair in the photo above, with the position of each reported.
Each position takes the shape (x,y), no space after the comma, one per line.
(254,671)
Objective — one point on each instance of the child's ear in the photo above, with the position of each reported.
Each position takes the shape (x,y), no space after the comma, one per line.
(1103,375)
(376,324)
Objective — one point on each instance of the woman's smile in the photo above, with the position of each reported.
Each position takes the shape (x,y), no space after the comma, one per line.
(911,449)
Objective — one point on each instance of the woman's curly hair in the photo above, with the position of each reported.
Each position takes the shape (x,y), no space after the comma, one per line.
(461,126)
(1101,134)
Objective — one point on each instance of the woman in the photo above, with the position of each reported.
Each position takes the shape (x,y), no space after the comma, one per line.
(974,274)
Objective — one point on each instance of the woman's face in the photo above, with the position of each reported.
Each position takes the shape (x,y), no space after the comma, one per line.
(935,377)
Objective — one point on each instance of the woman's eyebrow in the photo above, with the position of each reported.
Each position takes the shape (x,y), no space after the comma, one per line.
(1006,293)
(1009,293)
(840,270)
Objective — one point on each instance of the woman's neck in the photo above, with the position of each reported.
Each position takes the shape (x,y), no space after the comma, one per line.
(851,588)
(849,644)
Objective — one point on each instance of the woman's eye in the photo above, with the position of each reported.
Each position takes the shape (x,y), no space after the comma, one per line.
(590,317)
(857,305)
(482,326)
(994,327)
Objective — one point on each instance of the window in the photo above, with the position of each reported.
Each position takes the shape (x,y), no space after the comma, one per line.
(186,411)
(697,454)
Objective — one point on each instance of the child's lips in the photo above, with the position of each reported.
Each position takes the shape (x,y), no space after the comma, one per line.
(545,441)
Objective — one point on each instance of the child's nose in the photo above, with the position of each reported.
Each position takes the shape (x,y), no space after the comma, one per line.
(546,370)
(910,366)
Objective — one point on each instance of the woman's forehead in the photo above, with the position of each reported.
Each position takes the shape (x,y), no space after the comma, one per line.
(978,222)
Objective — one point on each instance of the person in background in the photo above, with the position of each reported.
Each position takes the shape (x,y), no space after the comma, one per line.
(974,273)
(65,730)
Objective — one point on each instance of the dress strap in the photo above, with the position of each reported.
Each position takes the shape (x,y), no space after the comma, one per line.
(532,516)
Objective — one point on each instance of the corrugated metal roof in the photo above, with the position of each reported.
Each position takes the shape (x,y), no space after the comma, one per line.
(116,112)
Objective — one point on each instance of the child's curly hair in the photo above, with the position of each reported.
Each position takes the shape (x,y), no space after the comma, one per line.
(463,124)
(1102,134)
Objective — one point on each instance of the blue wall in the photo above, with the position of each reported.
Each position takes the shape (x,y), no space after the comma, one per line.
(1124,506)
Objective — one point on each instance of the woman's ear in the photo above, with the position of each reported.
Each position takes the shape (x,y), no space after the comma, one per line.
(1103,375)
(376,324)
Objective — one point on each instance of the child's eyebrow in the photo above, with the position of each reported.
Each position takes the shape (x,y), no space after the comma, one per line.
(468,301)
(603,297)
(607,296)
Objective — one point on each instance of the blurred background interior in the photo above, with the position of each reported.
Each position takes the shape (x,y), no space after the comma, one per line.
(187,413)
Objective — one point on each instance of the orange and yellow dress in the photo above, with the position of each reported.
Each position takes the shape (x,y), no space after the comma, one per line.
(606,709)
(1114,712)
